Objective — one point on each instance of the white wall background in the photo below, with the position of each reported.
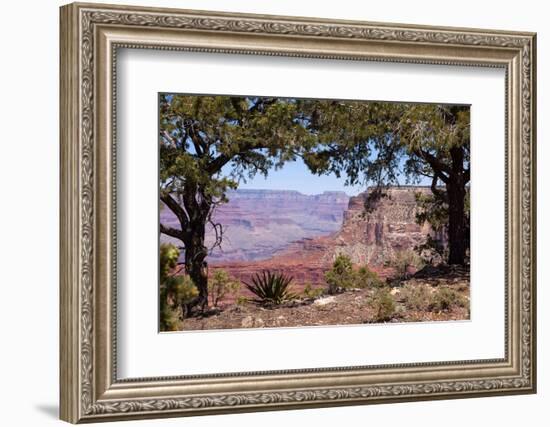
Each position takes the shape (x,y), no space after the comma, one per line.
(29,170)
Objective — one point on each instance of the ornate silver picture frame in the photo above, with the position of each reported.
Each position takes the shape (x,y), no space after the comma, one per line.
(91,37)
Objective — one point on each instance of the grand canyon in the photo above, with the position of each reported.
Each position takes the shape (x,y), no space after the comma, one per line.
(232,255)
(302,235)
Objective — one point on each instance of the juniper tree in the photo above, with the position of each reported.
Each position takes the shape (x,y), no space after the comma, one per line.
(379,143)
(208,144)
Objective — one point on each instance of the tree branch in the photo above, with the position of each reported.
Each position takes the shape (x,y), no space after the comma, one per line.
(172,232)
(164,134)
(437,166)
(175,207)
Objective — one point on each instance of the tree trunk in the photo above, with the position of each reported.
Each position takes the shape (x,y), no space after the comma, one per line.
(457,228)
(195,265)
(456,192)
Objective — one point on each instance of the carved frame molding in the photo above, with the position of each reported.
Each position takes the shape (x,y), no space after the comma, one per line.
(90,36)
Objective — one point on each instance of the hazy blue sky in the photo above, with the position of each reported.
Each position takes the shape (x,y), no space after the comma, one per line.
(296,176)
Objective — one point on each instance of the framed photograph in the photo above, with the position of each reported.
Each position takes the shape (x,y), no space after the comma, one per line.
(266,212)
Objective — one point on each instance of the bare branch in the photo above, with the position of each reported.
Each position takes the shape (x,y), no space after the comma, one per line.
(176,208)
(172,232)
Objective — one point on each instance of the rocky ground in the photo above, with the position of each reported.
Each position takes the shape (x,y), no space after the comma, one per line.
(432,294)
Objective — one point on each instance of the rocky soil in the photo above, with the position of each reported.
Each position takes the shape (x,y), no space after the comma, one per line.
(350,307)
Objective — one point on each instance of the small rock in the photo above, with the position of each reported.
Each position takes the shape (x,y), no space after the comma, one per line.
(324,301)
(259,323)
(247,322)
(395,291)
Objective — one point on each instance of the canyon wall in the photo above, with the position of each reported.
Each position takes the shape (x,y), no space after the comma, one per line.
(258,223)
(368,237)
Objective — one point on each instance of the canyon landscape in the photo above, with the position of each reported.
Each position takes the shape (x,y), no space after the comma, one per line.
(302,236)
(258,230)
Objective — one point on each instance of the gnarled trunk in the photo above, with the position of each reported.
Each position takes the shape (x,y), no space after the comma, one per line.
(457,228)
(456,192)
(195,265)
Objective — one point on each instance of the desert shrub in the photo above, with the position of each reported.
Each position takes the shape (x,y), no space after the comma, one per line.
(175,291)
(383,305)
(366,278)
(403,260)
(270,288)
(241,300)
(168,258)
(168,317)
(311,292)
(416,297)
(445,298)
(341,276)
(184,289)
(220,285)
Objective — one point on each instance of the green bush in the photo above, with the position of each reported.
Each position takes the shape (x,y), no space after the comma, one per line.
(220,285)
(184,289)
(383,305)
(342,276)
(416,297)
(403,260)
(175,291)
(445,298)
(270,288)
(366,278)
(241,300)
(311,292)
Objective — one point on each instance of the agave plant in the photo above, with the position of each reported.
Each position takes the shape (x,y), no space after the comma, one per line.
(270,288)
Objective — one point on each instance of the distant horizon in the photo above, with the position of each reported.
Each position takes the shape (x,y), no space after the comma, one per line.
(321,192)
(296,176)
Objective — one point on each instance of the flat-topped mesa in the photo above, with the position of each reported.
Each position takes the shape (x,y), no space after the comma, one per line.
(287,195)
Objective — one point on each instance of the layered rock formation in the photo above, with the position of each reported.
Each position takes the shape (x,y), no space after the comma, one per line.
(258,223)
(369,237)
(389,225)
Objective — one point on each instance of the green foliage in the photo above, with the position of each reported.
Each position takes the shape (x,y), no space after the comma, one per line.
(402,261)
(241,300)
(342,276)
(383,304)
(445,298)
(366,278)
(416,297)
(311,292)
(175,290)
(220,285)
(382,144)
(169,318)
(433,209)
(168,259)
(271,288)
(201,134)
(208,145)
(184,289)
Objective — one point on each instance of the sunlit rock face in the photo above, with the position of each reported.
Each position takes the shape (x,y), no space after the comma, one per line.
(373,235)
